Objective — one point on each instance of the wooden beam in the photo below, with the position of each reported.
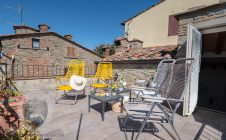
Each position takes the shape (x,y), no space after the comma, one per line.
(213,30)
(210,23)
(220,42)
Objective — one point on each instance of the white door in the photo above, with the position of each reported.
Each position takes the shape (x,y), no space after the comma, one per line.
(193,50)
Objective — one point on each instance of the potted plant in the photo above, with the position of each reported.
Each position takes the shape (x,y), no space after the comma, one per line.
(119,83)
(25,131)
(12,123)
(11,105)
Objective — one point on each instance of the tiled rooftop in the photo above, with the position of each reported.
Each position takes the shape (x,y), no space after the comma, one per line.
(148,53)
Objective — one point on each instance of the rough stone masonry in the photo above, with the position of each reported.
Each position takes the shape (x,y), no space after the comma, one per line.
(53,49)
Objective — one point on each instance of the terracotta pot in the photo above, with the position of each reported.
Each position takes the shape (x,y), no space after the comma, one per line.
(12,112)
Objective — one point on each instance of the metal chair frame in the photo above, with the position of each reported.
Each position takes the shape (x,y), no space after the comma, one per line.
(75,67)
(103,75)
(169,97)
(157,80)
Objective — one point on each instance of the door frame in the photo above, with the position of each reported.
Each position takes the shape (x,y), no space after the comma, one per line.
(189,49)
(215,25)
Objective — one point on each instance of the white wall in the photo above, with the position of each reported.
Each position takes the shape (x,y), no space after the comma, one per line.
(152,26)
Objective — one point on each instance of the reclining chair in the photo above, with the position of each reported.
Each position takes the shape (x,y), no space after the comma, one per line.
(75,67)
(171,92)
(151,87)
(103,75)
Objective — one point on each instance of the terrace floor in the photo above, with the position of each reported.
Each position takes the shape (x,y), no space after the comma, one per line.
(63,119)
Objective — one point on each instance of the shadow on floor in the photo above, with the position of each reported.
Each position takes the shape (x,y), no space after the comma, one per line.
(98,107)
(70,100)
(133,126)
(207,131)
(212,123)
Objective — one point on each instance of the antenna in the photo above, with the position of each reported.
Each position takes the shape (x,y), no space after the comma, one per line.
(19,11)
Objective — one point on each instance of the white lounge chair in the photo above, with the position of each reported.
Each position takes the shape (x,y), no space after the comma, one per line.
(150,89)
(171,91)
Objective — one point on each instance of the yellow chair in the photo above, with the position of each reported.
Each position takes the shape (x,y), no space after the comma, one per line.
(103,75)
(75,67)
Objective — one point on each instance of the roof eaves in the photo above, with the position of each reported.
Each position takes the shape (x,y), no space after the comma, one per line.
(123,23)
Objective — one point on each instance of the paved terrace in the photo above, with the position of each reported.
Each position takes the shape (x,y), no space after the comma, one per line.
(63,119)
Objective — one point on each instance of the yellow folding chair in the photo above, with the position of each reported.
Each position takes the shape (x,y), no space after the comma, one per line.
(75,67)
(103,75)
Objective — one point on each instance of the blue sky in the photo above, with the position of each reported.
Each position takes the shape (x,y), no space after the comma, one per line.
(91,22)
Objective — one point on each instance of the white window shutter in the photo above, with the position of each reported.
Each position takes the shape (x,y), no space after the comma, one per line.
(193,50)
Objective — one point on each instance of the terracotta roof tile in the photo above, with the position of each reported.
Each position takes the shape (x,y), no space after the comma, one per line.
(149,53)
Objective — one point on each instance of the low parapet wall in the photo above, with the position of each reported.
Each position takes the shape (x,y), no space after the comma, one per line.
(39,84)
(135,70)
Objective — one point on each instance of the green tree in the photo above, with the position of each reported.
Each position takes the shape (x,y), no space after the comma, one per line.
(99,48)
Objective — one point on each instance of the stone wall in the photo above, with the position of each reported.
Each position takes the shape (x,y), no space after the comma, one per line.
(52,51)
(135,71)
(202,19)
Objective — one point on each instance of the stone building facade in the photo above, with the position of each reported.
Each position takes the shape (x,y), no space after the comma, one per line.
(210,21)
(207,20)
(52,49)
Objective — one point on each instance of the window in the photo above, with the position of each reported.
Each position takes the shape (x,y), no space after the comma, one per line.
(35,43)
(70,51)
(173,26)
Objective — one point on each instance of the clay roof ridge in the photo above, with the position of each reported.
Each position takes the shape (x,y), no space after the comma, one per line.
(148,53)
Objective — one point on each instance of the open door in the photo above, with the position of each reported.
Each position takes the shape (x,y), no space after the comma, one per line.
(193,50)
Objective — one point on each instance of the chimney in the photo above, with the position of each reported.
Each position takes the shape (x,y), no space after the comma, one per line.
(106,51)
(121,44)
(135,43)
(68,36)
(43,28)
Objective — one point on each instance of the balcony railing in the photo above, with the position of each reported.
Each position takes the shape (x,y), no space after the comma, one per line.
(45,71)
